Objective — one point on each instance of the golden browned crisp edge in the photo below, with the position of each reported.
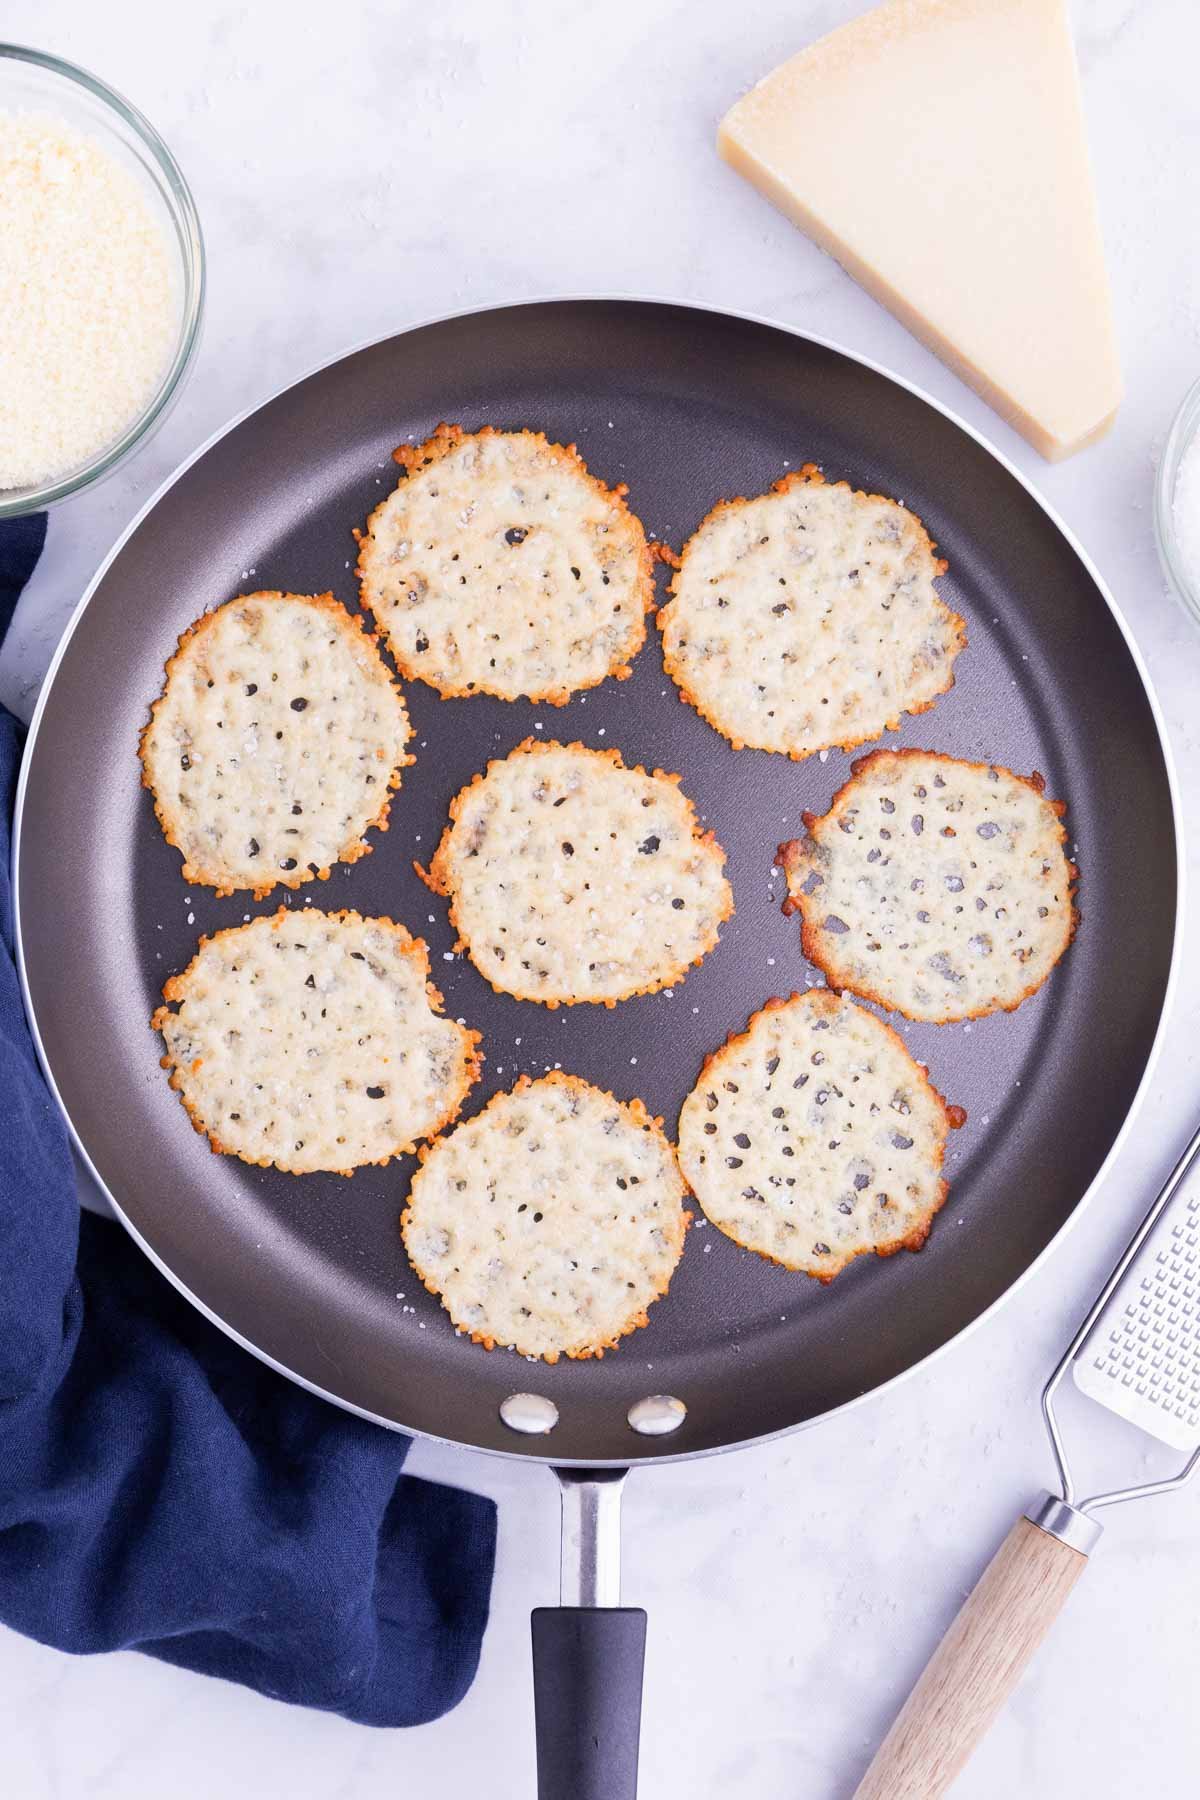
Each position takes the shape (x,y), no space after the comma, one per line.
(437,876)
(414,458)
(350,852)
(953,1117)
(809,475)
(813,941)
(639,1116)
(175,989)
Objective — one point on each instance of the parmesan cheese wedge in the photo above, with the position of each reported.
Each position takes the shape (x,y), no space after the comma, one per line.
(937,149)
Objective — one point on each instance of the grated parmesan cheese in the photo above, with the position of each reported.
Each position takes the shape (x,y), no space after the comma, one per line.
(89,302)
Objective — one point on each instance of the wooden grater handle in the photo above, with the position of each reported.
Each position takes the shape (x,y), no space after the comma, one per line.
(975,1667)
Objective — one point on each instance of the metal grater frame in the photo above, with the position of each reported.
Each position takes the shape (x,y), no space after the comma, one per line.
(1142,1356)
(1138,1352)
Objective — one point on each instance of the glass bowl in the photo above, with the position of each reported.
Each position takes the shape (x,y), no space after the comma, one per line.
(1179,441)
(33,81)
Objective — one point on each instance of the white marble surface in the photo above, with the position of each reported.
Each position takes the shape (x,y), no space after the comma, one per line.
(361,167)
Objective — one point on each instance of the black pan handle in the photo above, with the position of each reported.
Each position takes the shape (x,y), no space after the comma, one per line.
(588,1653)
(587,1695)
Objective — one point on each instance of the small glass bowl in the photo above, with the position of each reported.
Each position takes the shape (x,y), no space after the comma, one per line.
(33,81)
(1179,441)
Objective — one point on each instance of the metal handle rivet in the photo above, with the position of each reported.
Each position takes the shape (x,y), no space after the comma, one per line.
(531,1413)
(657,1415)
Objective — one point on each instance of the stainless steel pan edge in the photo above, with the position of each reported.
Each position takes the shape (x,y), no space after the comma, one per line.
(1135,655)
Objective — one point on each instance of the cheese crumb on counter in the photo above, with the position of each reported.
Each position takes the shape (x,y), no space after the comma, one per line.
(89,301)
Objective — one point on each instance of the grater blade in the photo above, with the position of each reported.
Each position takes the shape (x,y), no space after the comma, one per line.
(1141,1357)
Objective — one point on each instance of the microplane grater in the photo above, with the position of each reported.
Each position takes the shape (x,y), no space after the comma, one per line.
(1142,1356)
(1138,1352)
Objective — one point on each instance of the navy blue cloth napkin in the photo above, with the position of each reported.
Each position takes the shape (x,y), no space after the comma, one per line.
(163,1491)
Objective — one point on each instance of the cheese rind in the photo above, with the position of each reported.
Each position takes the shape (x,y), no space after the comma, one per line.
(937,149)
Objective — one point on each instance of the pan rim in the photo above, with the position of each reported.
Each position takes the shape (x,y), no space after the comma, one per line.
(528,1454)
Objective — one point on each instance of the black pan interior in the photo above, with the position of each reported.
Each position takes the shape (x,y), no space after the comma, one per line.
(686,406)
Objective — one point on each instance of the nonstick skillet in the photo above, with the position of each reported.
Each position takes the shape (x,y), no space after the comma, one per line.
(687,406)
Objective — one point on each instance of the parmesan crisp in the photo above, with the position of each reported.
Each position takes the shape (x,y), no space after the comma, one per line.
(573,878)
(501,566)
(314,1040)
(807,618)
(550,1221)
(939,889)
(275,743)
(813,1137)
